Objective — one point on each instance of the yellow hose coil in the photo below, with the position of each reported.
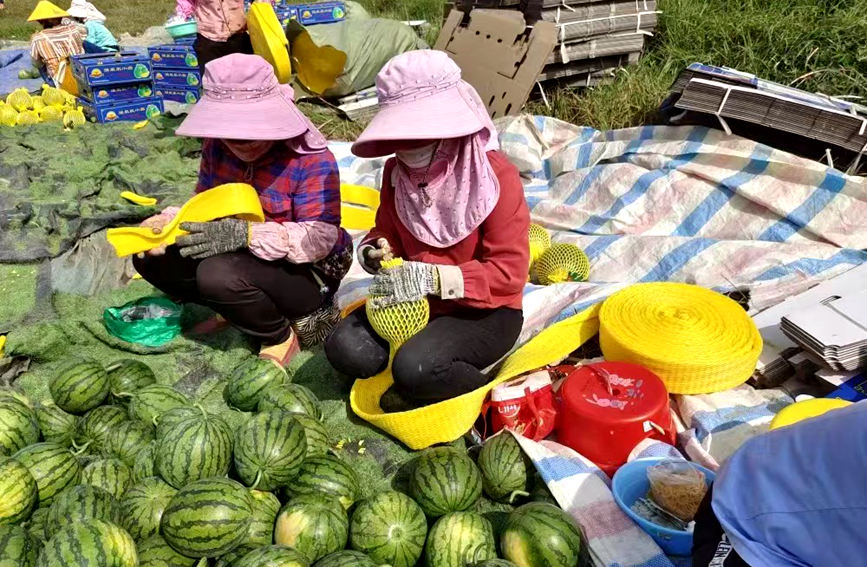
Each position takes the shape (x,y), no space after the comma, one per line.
(27,118)
(562,263)
(696,340)
(8,115)
(50,114)
(19,99)
(398,323)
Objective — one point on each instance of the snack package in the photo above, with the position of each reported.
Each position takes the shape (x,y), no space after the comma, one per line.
(677,487)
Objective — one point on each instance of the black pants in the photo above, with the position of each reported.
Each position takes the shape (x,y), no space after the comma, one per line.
(442,361)
(261,298)
(710,546)
(207,49)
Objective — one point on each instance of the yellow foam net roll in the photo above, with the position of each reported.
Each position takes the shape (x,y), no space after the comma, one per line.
(696,340)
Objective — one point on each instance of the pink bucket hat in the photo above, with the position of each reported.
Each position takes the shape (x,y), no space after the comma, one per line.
(244,101)
(422,97)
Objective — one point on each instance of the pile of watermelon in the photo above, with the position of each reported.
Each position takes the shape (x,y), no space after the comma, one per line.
(117,470)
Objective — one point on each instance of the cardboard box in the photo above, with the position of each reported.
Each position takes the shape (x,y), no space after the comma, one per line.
(134,111)
(498,55)
(321,13)
(177,78)
(111,69)
(179,94)
(116,93)
(173,57)
(286,14)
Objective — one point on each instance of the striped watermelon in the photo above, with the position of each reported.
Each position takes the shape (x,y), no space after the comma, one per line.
(91,543)
(265,509)
(329,475)
(541,535)
(18,426)
(80,386)
(53,466)
(93,428)
(541,492)
(445,480)
(494,563)
(292,398)
(244,388)
(18,493)
(313,524)
(125,377)
(228,559)
(143,467)
(150,402)
(170,419)
(142,507)
(79,503)
(458,539)
(109,474)
(272,556)
(17,547)
(269,450)
(348,558)
(155,552)
(127,439)
(36,525)
(317,438)
(505,469)
(17,395)
(56,425)
(207,518)
(390,528)
(200,447)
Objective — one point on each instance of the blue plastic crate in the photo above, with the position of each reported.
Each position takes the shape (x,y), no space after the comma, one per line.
(177,78)
(111,69)
(134,110)
(115,93)
(321,13)
(173,57)
(179,94)
(185,40)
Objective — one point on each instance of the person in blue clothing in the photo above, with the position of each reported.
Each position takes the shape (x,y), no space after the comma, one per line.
(793,497)
(99,39)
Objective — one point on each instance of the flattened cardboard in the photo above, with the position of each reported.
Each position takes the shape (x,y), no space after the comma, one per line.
(498,55)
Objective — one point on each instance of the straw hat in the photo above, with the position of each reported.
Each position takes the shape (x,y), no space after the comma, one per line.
(45,10)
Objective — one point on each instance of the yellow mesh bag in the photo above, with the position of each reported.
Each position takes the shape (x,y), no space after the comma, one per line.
(52,96)
(27,118)
(74,118)
(50,114)
(19,99)
(398,323)
(8,115)
(540,241)
(562,263)
(37,103)
(696,340)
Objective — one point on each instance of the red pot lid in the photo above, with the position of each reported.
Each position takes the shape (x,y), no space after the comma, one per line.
(614,392)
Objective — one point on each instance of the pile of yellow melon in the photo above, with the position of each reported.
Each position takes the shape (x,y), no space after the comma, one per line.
(53,105)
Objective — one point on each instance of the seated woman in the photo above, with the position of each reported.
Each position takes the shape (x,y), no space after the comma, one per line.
(453,208)
(264,278)
(99,39)
(56,42)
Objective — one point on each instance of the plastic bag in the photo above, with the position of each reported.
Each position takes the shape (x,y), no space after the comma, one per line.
(150,321)
(525,405)
(677,487)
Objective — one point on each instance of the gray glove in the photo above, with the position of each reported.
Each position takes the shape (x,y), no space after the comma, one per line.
(206,239)
(410,281)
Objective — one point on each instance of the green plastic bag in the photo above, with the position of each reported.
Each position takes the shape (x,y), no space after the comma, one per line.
(149,321)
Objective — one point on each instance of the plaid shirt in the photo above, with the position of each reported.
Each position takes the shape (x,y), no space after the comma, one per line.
(53,45)
(292,187)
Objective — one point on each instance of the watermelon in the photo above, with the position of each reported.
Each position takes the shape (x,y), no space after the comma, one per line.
(53,466)
(458,539)
(249,379)
(390,528)
(16,395)
(445,480)
(207,518)
(272,556)
(155,552)
(91,543)
(93,429)
(170,419)
(18,493)
(228,559)
(17,547)
(109,474)
(348,558)
(150,402)
(314,524)
(56,425)
(265,509)
(317,438)
(541,535)
(541,492)
(505,469)
(125,377)
(82,502)
(292,398)
(269,450)
(142,507)
(199,447)
(328,475)
(143,467)
(80,386)
(18,426)
(36,525)
(493,563)
(127,439)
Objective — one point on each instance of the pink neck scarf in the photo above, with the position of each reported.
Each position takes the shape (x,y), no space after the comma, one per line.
(444,203)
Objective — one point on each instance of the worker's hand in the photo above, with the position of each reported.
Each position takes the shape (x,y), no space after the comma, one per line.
(156,223)
(411,281)
(206,239)
(375,253)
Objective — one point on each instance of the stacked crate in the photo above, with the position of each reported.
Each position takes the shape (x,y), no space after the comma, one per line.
(176,72)
(309,13)
(116,86)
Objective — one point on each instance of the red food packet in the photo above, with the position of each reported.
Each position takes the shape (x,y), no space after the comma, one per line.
(525,405)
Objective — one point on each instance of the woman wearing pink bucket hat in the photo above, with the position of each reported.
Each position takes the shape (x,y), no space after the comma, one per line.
(453,208)
(269,279)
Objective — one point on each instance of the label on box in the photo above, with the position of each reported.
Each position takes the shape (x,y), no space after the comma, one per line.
(134,111)
(321,13)
(111,69)
(177,77)
(111,93)
(181,95)
(173,57)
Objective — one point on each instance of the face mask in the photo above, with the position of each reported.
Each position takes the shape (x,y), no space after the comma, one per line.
(249,151)
(417,158)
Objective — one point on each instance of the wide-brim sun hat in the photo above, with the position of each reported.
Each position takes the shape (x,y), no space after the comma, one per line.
(46,10)
(421,97)
(243,100)
(85,10)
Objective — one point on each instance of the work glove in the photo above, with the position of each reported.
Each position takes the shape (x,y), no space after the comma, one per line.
(206,239)
(411,281)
